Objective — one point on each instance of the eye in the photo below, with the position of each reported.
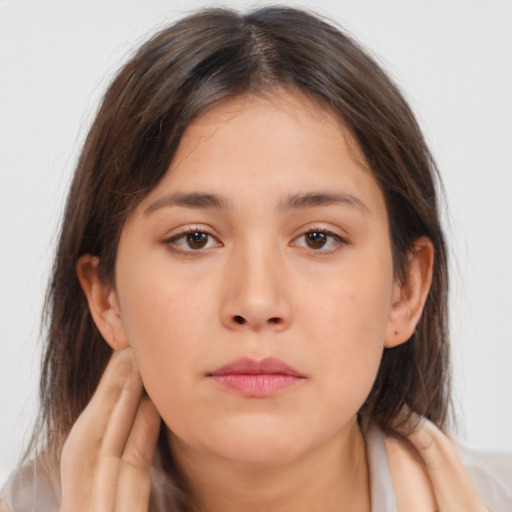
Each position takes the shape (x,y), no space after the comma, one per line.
(319,240)
(192,241)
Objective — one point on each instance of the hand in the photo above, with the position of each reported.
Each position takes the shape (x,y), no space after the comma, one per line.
(440,482)
(455,492)
(107,457)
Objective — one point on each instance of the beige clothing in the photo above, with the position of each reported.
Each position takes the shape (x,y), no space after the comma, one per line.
(457,479)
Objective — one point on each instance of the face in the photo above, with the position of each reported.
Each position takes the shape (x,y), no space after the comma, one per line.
(255,283)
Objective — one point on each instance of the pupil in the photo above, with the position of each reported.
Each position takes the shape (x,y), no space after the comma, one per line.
(197,240)
(316,239)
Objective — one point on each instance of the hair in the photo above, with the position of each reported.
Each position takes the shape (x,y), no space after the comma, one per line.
(172,79)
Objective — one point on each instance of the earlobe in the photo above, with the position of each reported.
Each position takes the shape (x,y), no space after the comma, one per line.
(102,301)
(410,295)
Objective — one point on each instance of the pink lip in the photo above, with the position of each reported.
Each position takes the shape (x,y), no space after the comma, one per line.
(257,379)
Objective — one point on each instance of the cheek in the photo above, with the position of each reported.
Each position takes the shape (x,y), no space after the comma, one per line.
(165,324)
(348,323)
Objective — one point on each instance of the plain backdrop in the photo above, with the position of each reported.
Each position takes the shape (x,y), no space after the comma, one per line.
(452,58)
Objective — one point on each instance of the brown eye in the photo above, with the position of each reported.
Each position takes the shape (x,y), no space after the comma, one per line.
(315,239)
(190,242)
(197,240)
(319,241)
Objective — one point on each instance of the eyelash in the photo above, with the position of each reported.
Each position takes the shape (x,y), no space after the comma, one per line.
(337,240)
(172,242)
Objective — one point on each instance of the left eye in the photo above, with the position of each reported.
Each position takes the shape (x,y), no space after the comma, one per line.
(192,241)
(319,240)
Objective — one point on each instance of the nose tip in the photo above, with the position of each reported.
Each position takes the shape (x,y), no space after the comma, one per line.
(256,296)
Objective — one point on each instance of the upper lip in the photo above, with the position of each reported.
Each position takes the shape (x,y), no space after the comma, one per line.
(247,366)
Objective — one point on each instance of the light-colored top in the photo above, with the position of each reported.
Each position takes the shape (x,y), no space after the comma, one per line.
(446,478)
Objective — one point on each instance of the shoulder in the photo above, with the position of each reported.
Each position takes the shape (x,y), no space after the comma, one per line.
(491,474)
(459,478)
(3,504)
(34,487)
(30,488)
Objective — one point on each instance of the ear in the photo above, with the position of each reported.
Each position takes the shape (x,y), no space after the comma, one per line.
(410,295)
(102,301)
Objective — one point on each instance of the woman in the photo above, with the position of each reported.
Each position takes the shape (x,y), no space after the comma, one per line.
(251,252)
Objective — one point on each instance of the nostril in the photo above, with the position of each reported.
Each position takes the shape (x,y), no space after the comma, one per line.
(240,320)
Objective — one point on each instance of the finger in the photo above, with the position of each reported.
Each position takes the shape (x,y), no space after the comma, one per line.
(99,435)
(117,429)
(453,487)
(134,485)
(120,372)
(121,417)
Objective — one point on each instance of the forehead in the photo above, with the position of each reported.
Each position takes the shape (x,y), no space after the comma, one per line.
(276,145)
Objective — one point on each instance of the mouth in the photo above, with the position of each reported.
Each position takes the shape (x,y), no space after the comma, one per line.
(257,379)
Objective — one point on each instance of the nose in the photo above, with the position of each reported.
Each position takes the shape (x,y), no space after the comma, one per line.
(256,292)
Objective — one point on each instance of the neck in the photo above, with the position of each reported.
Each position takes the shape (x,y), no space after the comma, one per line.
(330,478)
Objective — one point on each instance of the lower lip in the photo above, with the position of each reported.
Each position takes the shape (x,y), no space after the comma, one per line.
(257,386)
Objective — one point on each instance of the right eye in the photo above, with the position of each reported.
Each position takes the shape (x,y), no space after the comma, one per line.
(192,241)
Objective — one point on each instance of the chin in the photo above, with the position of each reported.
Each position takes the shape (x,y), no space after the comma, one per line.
(262,450)
(257,443)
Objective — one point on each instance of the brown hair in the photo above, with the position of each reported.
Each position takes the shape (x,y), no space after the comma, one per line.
(173,78)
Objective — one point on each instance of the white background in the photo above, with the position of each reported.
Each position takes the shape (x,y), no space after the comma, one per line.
(453,59)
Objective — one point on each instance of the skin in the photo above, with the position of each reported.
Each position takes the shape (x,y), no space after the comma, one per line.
(106,459)
(261,286)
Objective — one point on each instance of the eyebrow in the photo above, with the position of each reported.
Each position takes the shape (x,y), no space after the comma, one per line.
(199,200)
(209,201)
(313,199)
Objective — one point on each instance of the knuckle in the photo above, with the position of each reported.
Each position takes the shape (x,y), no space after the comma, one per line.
(136,457)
